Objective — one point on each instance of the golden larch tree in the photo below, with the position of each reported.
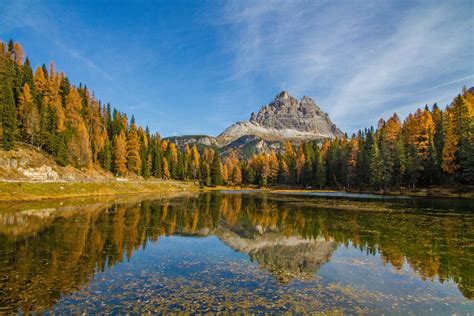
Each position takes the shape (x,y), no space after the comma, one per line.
(166,169)
(120,154)
(133,150)
(29,116)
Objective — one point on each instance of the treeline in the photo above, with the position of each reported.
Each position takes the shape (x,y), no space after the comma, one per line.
(42,108)
(45,110)
(431,147)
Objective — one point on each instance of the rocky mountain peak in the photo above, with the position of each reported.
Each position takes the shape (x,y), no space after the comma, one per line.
(283,119)
(287,113)
(282,96)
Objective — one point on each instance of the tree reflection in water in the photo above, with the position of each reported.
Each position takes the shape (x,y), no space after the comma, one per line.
(50,252)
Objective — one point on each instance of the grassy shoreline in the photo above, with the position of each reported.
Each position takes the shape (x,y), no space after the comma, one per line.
(36,191)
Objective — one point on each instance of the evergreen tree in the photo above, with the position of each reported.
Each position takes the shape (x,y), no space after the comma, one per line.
(400,165)
(9,125)
(106,156)
(319,170)
(216,174)
(376,167)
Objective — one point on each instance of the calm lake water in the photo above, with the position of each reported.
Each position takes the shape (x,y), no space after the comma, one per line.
(251,252)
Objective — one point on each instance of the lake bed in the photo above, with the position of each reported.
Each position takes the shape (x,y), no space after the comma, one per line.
(252,252)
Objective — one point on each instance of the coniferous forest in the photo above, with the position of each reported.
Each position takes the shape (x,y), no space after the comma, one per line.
(434,146)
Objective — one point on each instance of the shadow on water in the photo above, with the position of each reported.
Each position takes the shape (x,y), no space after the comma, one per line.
(48,253)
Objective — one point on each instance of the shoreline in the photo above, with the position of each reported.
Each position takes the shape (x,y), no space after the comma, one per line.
(423,192)
(17,191)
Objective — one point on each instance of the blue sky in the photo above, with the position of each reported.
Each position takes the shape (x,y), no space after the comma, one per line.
(195,67)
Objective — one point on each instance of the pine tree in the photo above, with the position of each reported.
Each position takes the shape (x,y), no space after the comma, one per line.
(319,170)
(61,149)
(205,171)
(105,156)
(400,166)
(353,148)
(376,167)
(180,173)
(216,174)
(28,74)
(465,112)
(157,157)
(147,169)
(9,125)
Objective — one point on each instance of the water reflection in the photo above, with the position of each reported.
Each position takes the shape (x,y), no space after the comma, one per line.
(49,252)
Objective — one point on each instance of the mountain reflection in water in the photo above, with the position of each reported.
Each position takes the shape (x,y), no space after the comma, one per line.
(49,252)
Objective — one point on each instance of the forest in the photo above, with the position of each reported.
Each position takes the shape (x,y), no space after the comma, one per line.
(431,147)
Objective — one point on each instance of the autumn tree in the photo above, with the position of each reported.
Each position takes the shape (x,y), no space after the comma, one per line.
(195,162)
(237,175)
(133,149)
(166,170)
(120,154)
(28,112)
(79,151)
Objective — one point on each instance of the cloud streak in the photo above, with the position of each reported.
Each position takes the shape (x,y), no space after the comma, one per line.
(358,59)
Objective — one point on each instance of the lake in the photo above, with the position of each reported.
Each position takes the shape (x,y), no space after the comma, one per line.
(238,252)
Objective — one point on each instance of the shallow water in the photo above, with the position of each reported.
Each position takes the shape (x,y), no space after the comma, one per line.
(238,252)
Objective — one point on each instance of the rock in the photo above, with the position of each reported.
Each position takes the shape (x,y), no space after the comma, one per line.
(285,257)
(191,140)
(40,174)
(285,118)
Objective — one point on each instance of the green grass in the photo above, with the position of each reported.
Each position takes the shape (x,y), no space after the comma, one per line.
(28,191)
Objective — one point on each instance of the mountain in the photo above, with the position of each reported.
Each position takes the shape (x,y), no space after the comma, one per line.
(201,141)
(285,257)
(284,119)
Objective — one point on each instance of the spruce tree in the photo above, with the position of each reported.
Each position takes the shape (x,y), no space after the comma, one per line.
(216,174)
(105,156)
(9,125)
(376,167)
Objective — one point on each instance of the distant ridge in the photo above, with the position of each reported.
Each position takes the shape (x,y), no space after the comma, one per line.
(283,119)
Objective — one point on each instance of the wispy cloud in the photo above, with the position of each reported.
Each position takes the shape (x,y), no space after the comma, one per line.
(84,60)
(358,59)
